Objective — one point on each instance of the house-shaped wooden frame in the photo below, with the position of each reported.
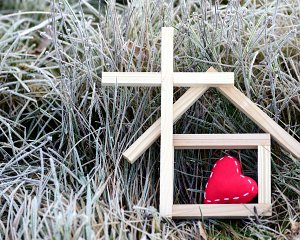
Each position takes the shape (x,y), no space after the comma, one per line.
(199,83)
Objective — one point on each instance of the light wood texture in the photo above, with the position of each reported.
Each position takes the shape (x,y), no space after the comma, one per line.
(264,174)
(166,143)
(153,132)
(220,210)
(144,79)
(266,123)
(196,79)
(220,141)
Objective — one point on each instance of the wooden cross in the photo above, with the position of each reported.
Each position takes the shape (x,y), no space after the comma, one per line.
(199,83)
(167,79)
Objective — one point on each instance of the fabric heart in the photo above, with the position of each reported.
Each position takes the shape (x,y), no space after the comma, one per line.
(226,183)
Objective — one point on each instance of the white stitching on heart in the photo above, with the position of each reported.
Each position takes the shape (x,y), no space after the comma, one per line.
(226,199)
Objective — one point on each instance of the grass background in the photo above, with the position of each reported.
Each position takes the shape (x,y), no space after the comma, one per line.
(62,175)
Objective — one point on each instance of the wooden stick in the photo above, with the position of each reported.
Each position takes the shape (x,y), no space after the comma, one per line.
(153,132)
(196,79)
(220,210)
(220,141)
(264,174)
(166,148)
(133,79)
(237,98)
(266,123)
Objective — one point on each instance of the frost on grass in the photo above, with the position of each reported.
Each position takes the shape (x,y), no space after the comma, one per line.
(62,135)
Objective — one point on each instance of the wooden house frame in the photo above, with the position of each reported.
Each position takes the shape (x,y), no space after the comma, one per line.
(199,83)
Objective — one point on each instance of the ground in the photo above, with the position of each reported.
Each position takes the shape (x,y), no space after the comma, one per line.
(62,134)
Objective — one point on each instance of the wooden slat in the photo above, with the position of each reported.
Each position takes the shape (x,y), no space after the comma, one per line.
(166,143)
(144,79)
(196,79)
(153,132)
(237,98)
(220,141)
(264,174)
(220,210)
(266,123)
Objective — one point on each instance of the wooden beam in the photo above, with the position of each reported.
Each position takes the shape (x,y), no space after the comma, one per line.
(212,79)
(220,141)
(258,116)
(133,79)
(264,174)
(166,143)
(153,79)
(153,132)
(220,210)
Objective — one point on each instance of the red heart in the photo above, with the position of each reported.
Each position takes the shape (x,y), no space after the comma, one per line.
(226,183)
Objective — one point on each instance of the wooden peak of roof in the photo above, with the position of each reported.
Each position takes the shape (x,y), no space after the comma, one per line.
(237,98)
